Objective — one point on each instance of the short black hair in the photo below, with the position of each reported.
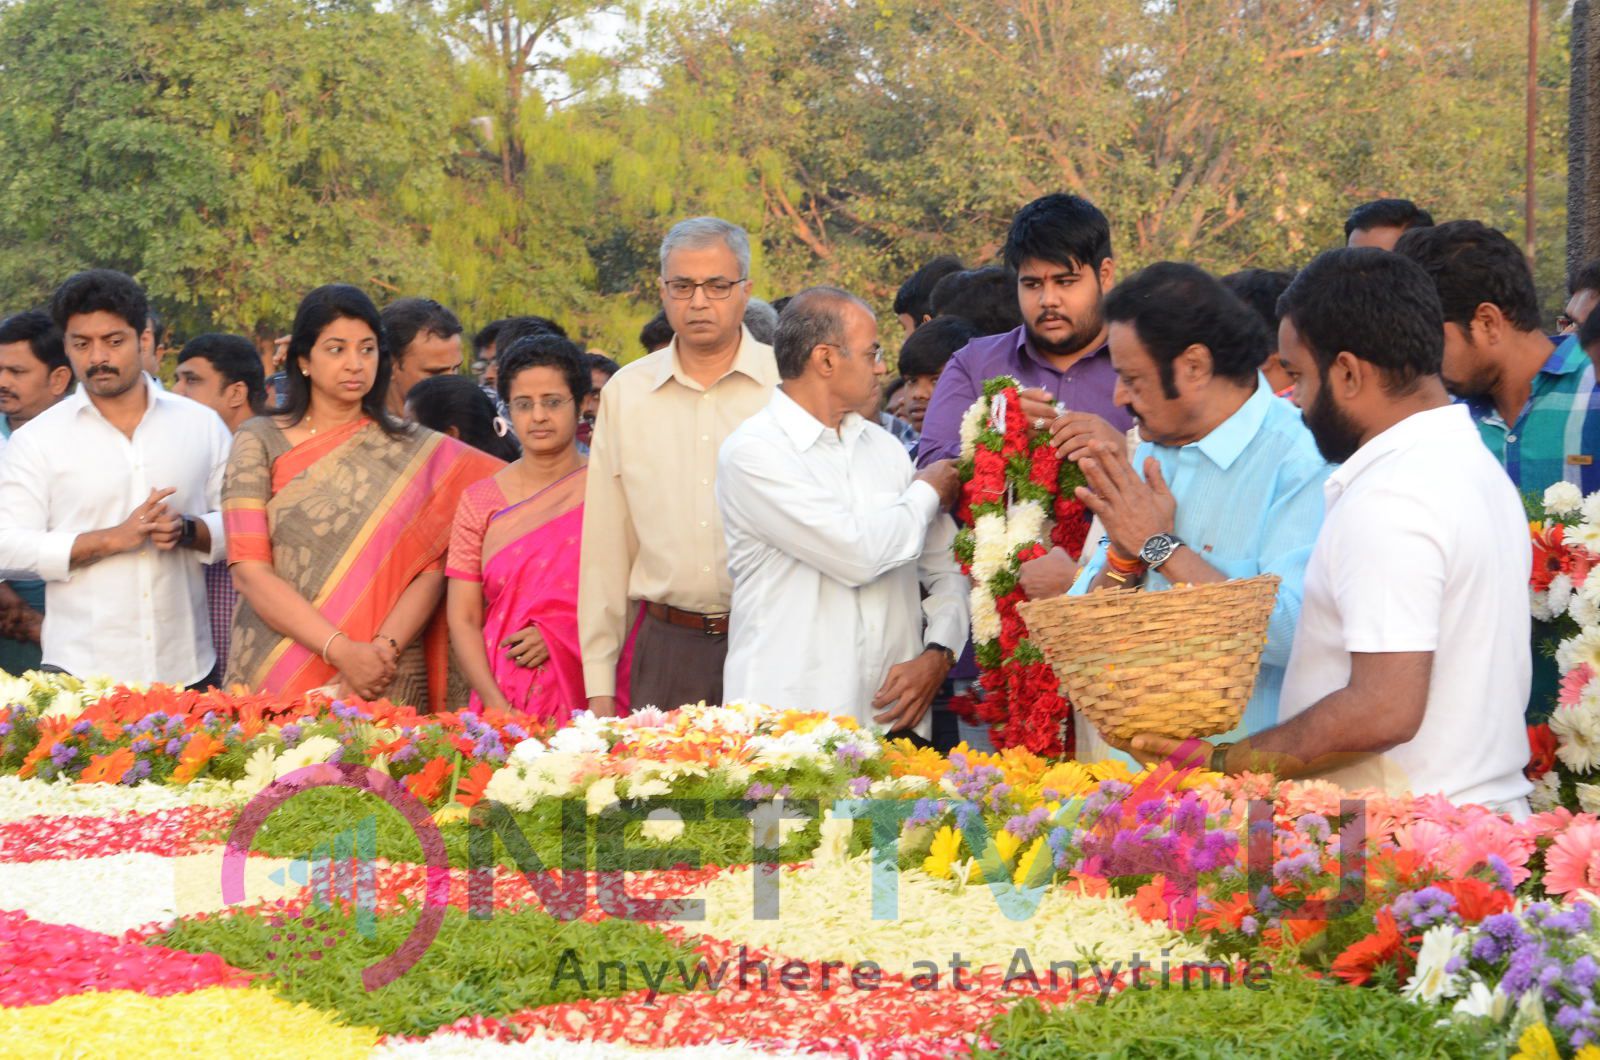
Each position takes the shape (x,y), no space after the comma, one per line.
(40,333)
(986,297)
(441,402)
(100,290)
(777,304)
(914,299)
(1589,331)
(235,359)
(1260,289)
(1381,307)
(656,332)
(514,328)
(542,349)
(1173,305)
(406,318)
(1387,213)
(1471,264)
(813,317)
(1585,278)
(157,326)
(893,387)
(1061,229)
(929,348)
(599,362)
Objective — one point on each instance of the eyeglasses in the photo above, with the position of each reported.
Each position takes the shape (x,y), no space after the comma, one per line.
(875,355)
(718,288)
(1565,323)
(549,404)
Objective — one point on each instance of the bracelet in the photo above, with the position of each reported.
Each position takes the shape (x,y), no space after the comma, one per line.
(335,635)
(392,642)
(1219,758)
(1122,564)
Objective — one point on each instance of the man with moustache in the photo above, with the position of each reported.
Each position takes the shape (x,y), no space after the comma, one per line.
(1060,248)
(34,374)
(1410,664)
(1228,481)
(112,498)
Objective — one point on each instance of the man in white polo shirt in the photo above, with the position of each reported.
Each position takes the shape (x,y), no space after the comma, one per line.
(112,498)
(1411,663)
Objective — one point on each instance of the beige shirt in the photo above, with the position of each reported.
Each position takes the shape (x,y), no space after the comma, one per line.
(651,530)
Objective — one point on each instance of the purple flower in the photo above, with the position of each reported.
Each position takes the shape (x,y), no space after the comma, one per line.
(1299,866)
(850,754)
(81,728)
(1249,926)
(291,734)
(405,754)
(1422,909)
(757,791)
(137,772)
(516,732)
(924,812)
(5,728)
(62,753)
(859,785)
(1313,825)
(1502,872)
(1190,814)
(174,745)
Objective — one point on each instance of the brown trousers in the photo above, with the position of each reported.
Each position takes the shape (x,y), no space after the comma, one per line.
(675,667)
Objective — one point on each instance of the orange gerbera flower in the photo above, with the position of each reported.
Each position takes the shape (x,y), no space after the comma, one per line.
(1476,899)
(427,785)
(201,748)
(1150,902)
(470,791)
(1227,915)
(108,769)
(1357,963)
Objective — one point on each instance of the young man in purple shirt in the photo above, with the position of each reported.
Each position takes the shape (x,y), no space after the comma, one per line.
(1060,248)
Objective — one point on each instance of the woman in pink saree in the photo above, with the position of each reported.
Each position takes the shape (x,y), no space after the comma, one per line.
(514,548)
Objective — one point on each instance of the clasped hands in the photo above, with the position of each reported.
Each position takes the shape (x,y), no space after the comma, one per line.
(151,520)
(908,690)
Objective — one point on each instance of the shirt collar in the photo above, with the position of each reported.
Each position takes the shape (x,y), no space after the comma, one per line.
(1433,423)
(1231,437)
(754,360)
(79,401)
(804,429)
(1566,358)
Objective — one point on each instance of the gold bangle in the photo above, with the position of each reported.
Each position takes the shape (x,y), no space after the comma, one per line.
(335,635)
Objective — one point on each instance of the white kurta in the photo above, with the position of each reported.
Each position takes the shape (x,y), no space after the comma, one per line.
(829,540)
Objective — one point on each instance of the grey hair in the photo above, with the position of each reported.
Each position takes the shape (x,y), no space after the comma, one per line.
(812,318)
(697,233)
(761,320)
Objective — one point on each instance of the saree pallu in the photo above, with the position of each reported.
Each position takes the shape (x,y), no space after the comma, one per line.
(350,519)
(530,567)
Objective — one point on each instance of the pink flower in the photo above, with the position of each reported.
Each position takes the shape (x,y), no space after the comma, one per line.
(1429,840)
(1573,862)
(1573,683)
(1300,797)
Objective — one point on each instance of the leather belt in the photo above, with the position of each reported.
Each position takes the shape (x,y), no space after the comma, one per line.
(710,625)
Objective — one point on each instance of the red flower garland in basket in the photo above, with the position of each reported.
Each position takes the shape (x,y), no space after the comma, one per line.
(1018,493)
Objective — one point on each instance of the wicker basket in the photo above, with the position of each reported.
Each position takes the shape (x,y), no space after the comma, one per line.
(1179,663)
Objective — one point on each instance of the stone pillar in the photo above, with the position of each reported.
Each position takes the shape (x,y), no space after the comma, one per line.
(1583,139)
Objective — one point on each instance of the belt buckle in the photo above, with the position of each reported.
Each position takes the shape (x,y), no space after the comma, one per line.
(716,625)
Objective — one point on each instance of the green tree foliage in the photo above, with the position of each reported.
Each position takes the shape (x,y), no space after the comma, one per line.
(525,155)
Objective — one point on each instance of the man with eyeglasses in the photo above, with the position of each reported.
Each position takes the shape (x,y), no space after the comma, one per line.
(652,537)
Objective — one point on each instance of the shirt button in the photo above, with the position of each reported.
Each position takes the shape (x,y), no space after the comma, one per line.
(1511,437)
(705,482)
(705,570)
(703,523)
(705,437)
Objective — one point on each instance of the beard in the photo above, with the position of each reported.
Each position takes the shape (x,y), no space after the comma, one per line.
(1083,332)
(1336,434)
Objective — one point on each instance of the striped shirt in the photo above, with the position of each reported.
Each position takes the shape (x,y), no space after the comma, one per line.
(1249,502)
(1557,436)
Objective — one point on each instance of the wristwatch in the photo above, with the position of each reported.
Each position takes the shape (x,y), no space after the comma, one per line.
(949,653)
(1219,758)
(186,538)
(1158,548)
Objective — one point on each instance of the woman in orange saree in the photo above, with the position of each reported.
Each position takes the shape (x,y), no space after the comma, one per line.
(514,552)
(338,518)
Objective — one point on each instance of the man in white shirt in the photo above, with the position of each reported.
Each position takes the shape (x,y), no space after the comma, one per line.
(112,497)
(1411,663)
(830,533)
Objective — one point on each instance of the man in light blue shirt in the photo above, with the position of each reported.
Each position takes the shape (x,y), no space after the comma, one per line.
(1230,479)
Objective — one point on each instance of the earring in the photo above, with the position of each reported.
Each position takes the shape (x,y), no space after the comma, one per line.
(501,427)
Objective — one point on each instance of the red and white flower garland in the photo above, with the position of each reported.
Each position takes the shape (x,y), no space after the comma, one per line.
(1018,494)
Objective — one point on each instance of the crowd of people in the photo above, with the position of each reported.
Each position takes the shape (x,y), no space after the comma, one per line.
(752,510)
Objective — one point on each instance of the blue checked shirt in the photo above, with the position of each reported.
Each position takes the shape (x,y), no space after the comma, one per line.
(1557,437)
(1249,502)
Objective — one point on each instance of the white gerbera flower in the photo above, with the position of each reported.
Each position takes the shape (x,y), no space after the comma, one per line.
(662,826)
(1591,508)
(1479,1000)
(602,795)
(1586,535)
(1562,499)
(1589,798)
(1577,732)
(1433,981)
(1575,651)
(314,751)
(1585,604)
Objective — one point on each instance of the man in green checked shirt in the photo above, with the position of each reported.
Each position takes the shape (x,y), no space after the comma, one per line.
(1534,401)
(1532,397)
